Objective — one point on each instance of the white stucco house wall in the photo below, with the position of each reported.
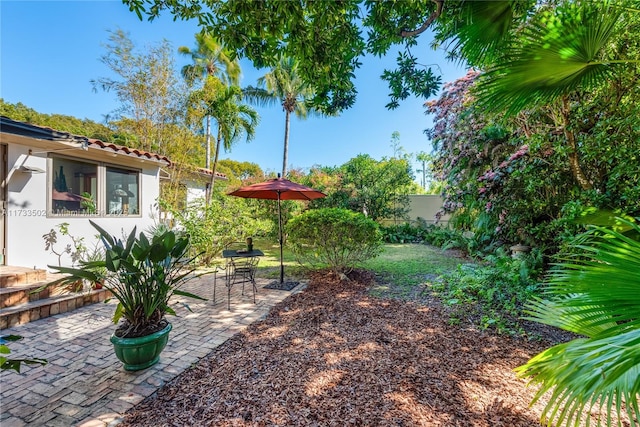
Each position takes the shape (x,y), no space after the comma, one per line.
(197,184)
(51,177)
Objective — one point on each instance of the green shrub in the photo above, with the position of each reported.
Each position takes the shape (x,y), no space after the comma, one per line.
(403,233)
(492,294)
(445,238)
(225,220)
(334,238)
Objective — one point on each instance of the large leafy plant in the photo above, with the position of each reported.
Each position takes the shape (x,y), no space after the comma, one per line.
(142,275)
(594,293)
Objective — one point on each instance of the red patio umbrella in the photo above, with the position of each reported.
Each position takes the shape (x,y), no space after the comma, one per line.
(278,189)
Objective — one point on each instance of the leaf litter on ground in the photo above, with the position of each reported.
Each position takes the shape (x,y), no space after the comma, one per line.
(334,355)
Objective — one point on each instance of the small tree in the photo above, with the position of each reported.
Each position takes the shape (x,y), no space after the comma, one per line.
(333,237)
(378,188)
(223,220)
(147,86)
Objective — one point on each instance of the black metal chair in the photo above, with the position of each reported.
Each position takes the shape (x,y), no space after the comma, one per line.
(238,270)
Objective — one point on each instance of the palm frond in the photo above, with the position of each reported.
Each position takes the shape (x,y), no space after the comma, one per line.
(595,293)
(586,374)
(482,28)
(210,58)
(556,54)
(259,96)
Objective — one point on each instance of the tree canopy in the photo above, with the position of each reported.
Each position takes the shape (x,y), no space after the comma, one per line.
(543,47)
(377,188)
(327,38)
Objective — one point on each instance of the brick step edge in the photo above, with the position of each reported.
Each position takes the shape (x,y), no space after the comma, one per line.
(25,313)
(18,295)
(11,278)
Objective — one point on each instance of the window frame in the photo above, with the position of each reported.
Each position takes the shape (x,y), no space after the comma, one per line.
(138,173)
(102,210)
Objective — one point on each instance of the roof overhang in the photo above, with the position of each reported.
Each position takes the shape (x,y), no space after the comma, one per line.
(41,140)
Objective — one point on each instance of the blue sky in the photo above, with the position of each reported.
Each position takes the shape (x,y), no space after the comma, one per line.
(50,51)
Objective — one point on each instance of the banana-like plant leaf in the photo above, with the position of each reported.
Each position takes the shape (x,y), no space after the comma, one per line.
(118,313)
(158,252)
(169,241)
(188,294)
(103,234)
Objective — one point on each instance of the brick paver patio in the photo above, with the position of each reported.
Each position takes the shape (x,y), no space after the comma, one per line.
(85,385)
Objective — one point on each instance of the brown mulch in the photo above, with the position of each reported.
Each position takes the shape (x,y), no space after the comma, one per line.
(334,356)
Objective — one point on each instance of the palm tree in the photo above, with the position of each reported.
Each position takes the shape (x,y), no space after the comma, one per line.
(595,293)
(210,59)
(424,159)
(283,85)
(234,119)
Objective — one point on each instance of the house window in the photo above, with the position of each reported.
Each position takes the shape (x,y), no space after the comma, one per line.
(74,187)
(80,187)
(122,192)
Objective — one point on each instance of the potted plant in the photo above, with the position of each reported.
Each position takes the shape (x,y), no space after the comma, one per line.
(142,275)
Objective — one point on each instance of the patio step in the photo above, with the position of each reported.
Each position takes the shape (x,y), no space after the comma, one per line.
(16,276)
(39,309)
(19,303)
(22,294)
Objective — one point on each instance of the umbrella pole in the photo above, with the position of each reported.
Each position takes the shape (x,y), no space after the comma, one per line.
(280,232)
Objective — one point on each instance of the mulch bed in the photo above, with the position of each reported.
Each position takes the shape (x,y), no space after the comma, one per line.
(334,356)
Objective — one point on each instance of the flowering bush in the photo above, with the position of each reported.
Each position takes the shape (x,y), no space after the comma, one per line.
(514,181)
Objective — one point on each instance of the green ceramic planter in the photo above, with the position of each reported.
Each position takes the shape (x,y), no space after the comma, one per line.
(142,352)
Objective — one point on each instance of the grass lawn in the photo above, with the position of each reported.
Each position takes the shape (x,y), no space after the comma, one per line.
(400,267)
(406,270)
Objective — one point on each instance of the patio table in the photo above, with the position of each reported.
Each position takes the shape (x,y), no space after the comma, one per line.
(237,253)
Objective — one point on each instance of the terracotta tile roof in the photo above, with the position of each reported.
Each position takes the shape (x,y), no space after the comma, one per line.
(47,133)
(209,172)
(126,150)
(196,172)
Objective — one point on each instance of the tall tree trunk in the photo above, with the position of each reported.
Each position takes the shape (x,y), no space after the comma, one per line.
(286,143)
(207,162)
(215,166)
(574,160)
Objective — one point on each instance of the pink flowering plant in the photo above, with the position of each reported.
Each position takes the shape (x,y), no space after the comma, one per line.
(515,180)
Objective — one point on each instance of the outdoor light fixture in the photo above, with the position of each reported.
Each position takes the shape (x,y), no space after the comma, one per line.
(30,169)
